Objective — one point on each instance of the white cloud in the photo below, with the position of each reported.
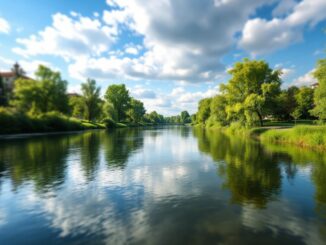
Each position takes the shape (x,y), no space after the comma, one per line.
(143,93)
(69,37)
(305,80)
(182,45)
(284,7)
(29,66)
(131,50)
(4,26)
(262,36)
(171,103)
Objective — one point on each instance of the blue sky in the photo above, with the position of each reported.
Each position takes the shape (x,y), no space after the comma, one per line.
(169,53)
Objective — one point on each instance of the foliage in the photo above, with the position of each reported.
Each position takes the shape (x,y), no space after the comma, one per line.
(13,121)
(185,117)
(154,118)
(304,100)
(119,97)
(320,92)
(251,92)
(204,110)
(91,99)
(46,93)
(306,136)
(136,110)
(77,106)
(286,103)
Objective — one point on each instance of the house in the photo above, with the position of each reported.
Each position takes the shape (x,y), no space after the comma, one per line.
(315,85)
(7,80)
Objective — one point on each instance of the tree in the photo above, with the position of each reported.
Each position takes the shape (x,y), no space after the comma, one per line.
(3,99)
(18,71)
(185,117)
(77,106)
(119,97)
(91,97)
(136,111)
(28,95)
(252,91)
(296,114)
(53,90)
(304,100)
(217,108)
(320,92)
(46,93)
(286,103)
(204,110)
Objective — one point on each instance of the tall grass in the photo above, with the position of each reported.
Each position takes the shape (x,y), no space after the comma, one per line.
(12,121)
(306,136)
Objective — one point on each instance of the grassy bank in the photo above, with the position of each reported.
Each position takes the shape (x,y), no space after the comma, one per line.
(302,133)
(12,122)
(304,136)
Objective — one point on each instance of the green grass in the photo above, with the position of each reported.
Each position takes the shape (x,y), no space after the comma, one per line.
(13,122)
(288,123)
(304,133)
(305,136)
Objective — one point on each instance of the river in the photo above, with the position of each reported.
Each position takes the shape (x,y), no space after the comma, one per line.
(169,185)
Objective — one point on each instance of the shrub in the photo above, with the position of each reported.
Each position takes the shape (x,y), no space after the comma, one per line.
(11,121)
(109,123)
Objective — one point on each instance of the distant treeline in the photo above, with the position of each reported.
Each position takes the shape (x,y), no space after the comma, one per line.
(254,94)
(46,97)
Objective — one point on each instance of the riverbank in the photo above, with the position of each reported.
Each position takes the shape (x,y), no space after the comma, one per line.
(18,123)
(303,136)
(12,122)
(307,136)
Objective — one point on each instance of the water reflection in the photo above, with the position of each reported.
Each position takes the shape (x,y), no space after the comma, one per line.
(119,144)
(252,175)
(173,185)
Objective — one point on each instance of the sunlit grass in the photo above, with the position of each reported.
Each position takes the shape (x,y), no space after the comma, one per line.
(306,136)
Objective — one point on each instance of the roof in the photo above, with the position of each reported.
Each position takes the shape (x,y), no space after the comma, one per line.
(7,74)
(10,74)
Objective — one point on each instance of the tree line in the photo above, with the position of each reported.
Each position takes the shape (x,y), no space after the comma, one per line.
(48,93)
(254,94)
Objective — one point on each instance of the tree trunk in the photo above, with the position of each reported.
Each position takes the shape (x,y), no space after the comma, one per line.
(260,119)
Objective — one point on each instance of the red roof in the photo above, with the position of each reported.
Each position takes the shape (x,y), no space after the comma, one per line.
(10,74)
(7,74)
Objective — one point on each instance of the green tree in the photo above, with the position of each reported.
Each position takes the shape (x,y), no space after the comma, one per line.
(217,108)
(296,114)
(92,101)
(136,111)
(320,92)
(204,110)
(286,103)
(53,90)
(46,93)
(109,111)
(3,100)
(119,97)
(185,117)
(28,95)
(305,103)
(252,91)
(77,106)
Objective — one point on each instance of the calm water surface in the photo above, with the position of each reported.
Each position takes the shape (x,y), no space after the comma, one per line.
(173,185)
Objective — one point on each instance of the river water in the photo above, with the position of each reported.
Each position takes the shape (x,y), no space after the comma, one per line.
(169,185)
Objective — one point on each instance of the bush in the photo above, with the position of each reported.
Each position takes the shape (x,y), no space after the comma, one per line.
(109,123)
(11,121)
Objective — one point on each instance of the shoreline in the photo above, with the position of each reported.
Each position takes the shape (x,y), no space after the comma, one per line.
(37,134)
(311,137)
